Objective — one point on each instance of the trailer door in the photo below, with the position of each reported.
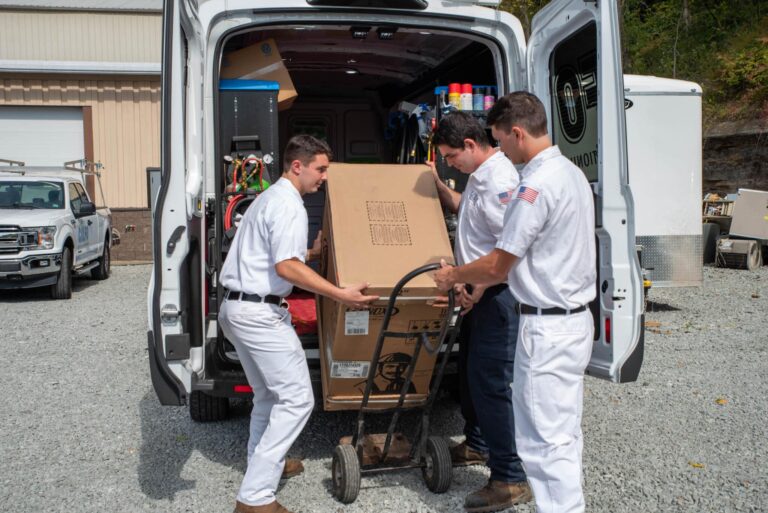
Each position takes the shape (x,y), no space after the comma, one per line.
(574,67)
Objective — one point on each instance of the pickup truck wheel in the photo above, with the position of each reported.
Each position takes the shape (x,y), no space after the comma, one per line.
(62,289)
(207,408)
(102,271)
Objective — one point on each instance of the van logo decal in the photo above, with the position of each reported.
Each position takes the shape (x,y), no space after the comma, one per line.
(628,103)
(571,105)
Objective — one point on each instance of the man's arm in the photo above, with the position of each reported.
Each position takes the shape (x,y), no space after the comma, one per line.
(301,275)
(449,198)
(487,270)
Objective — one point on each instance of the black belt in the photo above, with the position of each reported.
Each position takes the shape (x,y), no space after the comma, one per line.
(255,298)
(532,310)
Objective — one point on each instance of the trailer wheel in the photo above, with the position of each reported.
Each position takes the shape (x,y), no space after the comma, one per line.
(62,289)
(345,470)
(437,470)
(755,257)
(711,233)
(207,408)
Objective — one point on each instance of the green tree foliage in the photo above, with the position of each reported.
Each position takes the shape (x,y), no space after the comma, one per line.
(524,10)
(721,44)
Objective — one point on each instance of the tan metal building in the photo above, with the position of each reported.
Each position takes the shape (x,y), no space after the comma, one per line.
(81,78)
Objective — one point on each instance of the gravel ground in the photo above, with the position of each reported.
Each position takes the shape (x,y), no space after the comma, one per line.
(81,428)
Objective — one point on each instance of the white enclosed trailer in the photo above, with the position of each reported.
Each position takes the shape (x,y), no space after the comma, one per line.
(664,153)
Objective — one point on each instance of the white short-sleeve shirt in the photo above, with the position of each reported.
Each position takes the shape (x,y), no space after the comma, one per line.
(550,227)
(273,229)
(483,204)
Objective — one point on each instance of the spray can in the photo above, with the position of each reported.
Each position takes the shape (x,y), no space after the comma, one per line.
(441,97)
(477,98)
(488,99)
(466,96)
(454,95)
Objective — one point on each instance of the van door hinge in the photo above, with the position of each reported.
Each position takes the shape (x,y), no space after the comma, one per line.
(169,313)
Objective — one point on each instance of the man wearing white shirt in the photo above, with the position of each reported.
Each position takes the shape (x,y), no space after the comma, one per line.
(489,331)
(265,261)
(547,254)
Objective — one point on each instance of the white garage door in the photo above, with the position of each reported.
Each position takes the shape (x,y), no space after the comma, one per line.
(41,136)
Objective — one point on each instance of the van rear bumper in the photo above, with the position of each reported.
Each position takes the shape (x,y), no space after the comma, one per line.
(230,383)
(234,384)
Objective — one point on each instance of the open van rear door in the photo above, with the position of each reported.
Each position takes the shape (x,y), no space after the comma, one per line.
(574,67)
(174,335)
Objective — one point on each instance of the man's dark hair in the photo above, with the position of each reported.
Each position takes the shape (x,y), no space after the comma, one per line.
(457,126)
(519,108)
(304,148)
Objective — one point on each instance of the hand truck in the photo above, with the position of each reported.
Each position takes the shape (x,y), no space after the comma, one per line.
(430,453)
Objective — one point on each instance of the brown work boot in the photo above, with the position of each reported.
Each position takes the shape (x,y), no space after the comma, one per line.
(497,495)
(293,467)
(463,455)
(272,507)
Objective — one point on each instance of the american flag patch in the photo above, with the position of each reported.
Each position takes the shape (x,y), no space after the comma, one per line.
(505,197)
(527,194)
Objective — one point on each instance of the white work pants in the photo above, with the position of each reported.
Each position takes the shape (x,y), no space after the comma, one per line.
(547,394)
(276,368)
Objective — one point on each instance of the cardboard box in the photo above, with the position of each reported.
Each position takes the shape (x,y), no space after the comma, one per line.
(381,222)
(261,61)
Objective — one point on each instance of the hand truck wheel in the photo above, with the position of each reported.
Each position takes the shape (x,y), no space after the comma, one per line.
(438,468)
(345,471)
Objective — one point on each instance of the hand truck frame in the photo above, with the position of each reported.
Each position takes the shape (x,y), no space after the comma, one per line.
(430,453)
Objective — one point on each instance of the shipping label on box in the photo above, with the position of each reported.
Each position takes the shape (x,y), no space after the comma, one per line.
(356,322)
(350,369)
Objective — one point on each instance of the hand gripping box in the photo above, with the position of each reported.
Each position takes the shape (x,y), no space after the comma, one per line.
(380,223)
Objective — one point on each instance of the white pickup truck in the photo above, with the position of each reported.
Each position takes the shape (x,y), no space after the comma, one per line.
(50,229)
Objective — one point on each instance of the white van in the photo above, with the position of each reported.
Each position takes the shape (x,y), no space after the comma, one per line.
(351,63)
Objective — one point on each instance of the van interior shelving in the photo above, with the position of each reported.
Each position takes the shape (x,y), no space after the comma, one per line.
(351,81)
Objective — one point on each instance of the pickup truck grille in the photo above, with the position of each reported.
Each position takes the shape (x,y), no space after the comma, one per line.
(13,239)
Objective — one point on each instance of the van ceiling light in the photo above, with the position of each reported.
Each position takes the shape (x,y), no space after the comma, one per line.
(359,32)
(386,33)
(351,72)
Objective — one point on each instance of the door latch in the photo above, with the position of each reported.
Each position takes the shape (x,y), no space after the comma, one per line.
(169,313)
